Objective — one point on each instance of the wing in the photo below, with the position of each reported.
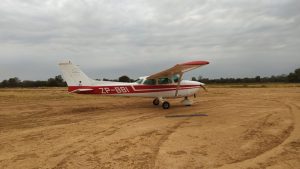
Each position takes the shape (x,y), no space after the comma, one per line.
(179,69)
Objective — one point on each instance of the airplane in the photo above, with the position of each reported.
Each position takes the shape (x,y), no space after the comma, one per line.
(160,86)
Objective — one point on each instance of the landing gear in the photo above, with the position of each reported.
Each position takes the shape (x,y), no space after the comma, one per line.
(156,101)
(186,101)
(165,105)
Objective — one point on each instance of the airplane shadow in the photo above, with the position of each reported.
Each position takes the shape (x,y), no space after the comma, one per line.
(185,115)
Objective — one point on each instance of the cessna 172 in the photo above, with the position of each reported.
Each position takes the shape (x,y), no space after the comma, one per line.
(162,85)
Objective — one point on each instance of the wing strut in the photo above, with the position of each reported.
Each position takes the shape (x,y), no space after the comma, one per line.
(178,84)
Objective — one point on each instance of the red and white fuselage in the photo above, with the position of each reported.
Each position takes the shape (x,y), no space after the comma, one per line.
(186,88)
(164,84)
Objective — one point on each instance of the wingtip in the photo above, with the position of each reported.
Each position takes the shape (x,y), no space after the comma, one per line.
(196,63)
(65,63)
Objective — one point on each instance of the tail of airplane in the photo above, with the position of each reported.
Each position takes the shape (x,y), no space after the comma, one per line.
(74,76)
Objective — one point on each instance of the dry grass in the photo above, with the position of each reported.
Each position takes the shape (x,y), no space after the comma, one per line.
(254,85)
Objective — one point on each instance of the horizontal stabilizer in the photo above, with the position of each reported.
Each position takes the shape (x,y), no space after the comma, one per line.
(81,90)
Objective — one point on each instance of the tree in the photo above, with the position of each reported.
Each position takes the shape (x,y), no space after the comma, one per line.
(60,81)
(200,78)
(194,79)
(297,74)
(292,77)
(51,82)
(4,83)
(14,82)
(57,81)
(257,79)
(124,78)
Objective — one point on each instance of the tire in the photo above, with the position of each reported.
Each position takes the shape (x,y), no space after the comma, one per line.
(156,102)
(165,105)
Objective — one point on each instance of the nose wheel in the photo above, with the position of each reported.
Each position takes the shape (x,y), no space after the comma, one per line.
(186,101)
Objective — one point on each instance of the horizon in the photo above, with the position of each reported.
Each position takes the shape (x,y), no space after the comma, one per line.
(110,38)
(116,78)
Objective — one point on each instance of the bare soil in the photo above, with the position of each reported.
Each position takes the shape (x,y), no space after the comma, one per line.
(225,128)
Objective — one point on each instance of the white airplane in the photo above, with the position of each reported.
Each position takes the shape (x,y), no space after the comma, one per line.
(161,85)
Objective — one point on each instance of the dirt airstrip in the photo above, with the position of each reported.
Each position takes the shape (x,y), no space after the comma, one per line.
(237,128)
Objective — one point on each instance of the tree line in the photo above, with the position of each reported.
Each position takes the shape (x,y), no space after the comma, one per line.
(293,77)
(57,81)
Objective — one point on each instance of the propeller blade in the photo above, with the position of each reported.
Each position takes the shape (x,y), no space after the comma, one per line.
(204,88)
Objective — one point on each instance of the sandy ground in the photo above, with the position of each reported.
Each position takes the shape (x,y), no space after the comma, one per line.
(244,128)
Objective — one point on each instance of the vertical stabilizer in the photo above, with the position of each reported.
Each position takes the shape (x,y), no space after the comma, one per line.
(74,76)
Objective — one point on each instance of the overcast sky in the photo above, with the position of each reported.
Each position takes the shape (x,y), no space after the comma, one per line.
(138,37)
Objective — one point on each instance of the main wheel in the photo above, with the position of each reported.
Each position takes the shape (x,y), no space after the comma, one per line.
(165,105)
(156,101)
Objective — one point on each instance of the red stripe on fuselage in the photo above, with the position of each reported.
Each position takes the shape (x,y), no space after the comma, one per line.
(129,89)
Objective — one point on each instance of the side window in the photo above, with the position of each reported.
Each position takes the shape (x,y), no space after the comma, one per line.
(175,78)
(150,82)
(164,80)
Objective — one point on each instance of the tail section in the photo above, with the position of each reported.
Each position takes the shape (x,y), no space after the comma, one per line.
(74,76)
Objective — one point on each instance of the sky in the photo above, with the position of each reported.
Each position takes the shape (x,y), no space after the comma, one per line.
(141,37)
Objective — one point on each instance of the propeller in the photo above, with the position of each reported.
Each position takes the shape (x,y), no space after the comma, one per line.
(204,88)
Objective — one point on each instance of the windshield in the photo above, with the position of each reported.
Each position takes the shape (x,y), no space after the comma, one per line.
(139,81)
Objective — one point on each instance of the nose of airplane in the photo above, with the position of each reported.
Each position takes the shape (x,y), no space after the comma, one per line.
(203,86)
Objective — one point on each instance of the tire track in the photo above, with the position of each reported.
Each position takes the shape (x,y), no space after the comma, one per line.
(104,133)
(162,140)
(269,152)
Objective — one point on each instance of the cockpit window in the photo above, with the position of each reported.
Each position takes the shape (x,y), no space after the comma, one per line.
(175,78)
(164,80)
(150,82)
(139,81)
